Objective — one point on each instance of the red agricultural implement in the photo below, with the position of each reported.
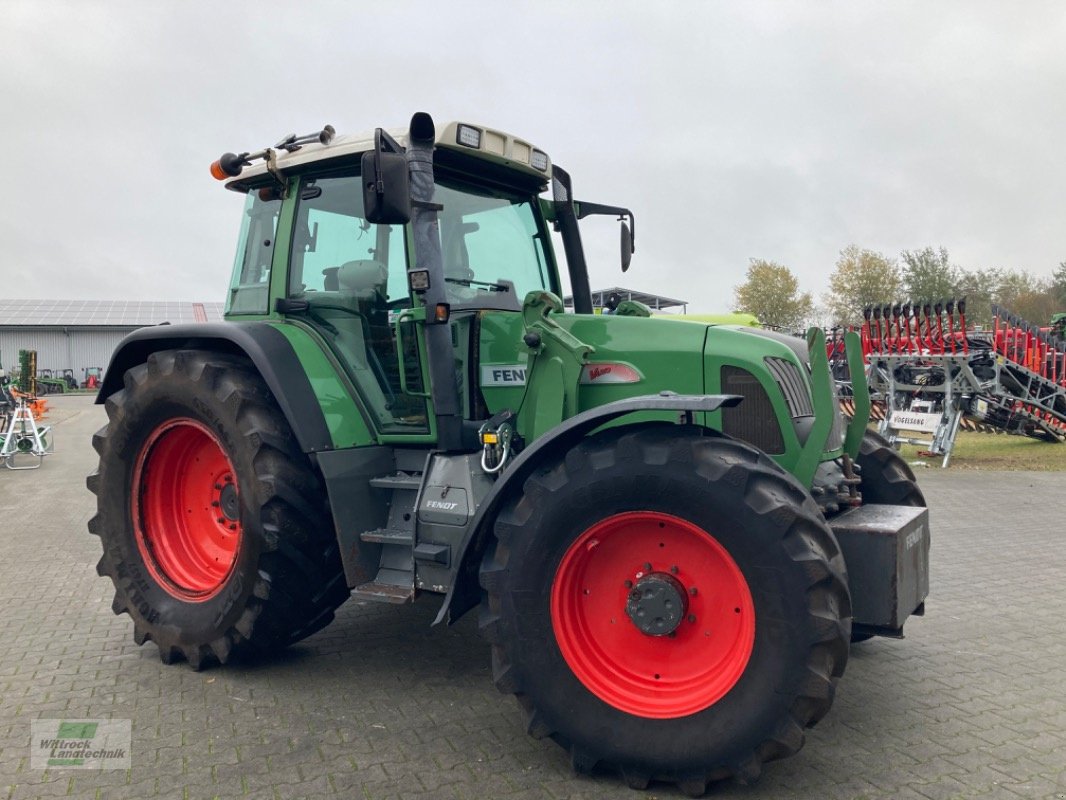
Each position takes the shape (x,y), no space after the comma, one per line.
(932,373)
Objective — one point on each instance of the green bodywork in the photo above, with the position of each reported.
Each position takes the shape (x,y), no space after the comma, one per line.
(686,359)
(345,419)
(530,362)
(861,390)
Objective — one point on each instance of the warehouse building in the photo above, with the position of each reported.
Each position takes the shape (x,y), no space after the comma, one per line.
(82,334)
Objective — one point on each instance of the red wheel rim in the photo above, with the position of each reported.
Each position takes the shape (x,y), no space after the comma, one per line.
(186,510)
(655,676)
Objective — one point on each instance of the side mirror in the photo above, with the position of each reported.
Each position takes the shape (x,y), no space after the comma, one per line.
(623,214)
(386,194)
(627,246)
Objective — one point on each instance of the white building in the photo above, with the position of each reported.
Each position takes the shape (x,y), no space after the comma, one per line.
(78,334)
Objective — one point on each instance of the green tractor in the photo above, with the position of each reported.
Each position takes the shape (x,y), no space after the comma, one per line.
(670,533)
(1057,325)
(49,383)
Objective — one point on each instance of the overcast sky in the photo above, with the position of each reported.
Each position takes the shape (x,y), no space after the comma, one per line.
(783,131)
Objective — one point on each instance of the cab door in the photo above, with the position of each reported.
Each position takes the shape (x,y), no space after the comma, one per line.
(352,276)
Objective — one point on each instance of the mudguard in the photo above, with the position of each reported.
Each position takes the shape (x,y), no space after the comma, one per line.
(263,344)
(464,593)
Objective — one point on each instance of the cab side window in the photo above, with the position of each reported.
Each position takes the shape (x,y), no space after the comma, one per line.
(250,285)
(353,275)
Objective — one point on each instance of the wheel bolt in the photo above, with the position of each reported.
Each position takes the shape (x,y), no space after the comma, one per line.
(233,526)
(629,584)
(218,486)
(647,566)
(674,569)
(214,503)
(692,618)
(221,521)
(693,591)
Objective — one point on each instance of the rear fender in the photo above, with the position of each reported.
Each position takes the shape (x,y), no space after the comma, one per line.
(465,592)
(265,346)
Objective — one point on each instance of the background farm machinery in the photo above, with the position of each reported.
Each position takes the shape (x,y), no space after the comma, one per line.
(932,373)
(21,436)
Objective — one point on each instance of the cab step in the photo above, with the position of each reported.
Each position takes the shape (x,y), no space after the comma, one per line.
(401,481)
(381,590)
(395,580)
(389,536)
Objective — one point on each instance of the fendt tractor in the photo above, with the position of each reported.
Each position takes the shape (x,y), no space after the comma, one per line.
(672,535)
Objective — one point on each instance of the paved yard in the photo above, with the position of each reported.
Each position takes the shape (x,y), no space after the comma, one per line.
(379,705)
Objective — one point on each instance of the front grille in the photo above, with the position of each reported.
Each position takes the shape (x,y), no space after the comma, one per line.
(790,379)
(753,420)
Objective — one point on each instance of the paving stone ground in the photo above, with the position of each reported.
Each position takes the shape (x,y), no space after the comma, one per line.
(380,705)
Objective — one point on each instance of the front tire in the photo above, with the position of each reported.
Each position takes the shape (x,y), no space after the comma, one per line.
(215,529)
(735,639)
(885,476)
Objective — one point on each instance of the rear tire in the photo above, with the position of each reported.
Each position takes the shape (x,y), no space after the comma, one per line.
(216,530)
(772,610)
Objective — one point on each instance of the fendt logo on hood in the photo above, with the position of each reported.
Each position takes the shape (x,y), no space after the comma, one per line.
(503,374)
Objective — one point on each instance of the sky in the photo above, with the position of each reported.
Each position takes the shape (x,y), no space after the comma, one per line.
(734,130)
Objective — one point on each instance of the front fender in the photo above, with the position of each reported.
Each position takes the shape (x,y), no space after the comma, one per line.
(464,592)
(263,344)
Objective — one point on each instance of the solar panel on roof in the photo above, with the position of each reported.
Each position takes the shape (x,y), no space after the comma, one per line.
(113,313)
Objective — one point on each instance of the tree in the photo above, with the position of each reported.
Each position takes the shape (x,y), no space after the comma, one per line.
(862,278)
(1058,285)
(1018,291)
(1035,306)
(1028,296)
(771,292)
(980,287)
(929,274)
(1014,284)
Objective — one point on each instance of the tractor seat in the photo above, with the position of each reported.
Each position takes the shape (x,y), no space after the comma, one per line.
(363,279)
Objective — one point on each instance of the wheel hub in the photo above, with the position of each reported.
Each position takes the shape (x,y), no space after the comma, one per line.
(185,507)
(652,614)
(657,604)
(228,502)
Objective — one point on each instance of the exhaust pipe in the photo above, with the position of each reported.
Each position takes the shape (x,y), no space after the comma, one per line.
(426,233)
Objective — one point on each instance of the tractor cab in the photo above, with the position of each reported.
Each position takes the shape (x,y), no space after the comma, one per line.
(310,252)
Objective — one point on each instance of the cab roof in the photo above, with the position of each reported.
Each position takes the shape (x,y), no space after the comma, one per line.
(503,149)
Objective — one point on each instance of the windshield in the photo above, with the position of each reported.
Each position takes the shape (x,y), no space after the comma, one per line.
(491,243)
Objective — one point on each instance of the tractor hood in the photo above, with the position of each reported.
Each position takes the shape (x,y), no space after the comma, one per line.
(630,356)
(634,356)
(785,412)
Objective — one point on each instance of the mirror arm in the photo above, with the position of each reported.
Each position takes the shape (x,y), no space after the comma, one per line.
(597,209)
(383,143)
(271,159)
